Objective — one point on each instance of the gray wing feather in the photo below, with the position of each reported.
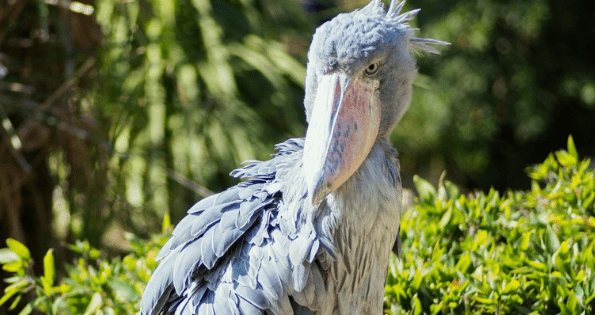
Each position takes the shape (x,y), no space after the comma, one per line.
(231,253)
(232,301)
(179,236)
(280,257)
(206,249)
(248,308)
(300,249)
(300,276)
(209,217)
(184,262)
(198,295)
(182,308)
(254,297)
(269,279)
(226,238)
(221,306)
(158,289)
(206,308)
(228,221)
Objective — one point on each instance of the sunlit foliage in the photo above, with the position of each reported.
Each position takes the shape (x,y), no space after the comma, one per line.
(197,87)
(518,252)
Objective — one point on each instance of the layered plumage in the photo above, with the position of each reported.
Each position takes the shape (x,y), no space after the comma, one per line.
(309,231)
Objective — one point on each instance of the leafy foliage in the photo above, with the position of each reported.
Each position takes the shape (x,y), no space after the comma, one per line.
(190,81)
(146,105)
(524,252)
(517,79)
(93,284)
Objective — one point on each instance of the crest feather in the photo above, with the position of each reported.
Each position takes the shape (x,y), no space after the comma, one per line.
(422,43)
(376,8)
(394,9)
(393,13)
(407,16)
(372,8)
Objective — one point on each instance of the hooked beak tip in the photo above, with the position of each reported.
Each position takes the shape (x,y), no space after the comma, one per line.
(318,192)
(316,199)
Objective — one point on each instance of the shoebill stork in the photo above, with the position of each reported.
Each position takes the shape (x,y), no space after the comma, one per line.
(311,230)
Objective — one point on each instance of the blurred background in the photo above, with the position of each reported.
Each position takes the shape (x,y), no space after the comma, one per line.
(117,112)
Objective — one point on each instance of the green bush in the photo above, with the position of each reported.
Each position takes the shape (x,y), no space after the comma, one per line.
(523,252)
(93,284)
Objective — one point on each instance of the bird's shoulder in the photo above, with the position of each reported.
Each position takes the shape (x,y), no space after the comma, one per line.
(233,208)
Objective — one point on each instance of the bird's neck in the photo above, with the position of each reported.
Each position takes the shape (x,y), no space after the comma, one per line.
(371,198)
(367,214)
(358,222)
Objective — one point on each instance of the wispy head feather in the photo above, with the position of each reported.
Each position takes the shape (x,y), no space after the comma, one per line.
(375,7)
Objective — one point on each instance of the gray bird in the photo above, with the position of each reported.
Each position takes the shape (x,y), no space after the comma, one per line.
(311,230)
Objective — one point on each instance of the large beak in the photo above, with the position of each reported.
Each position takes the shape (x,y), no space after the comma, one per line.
(343,128)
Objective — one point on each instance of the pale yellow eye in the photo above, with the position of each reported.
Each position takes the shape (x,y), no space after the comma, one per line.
(372,69)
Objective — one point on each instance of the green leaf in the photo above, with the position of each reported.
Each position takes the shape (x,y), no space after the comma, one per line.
(94,305)
(7,295)
(20,284)
(556,274)
(7,256)
(426,191)
(446,218)
(566,159)
(524,241)
(552,240)
(523,270)
(15,303)
(416,283)
(480,239)
(60,305)
(13,289)
(463,263)
(587,202)
(537,265)
(18,248)
(123,291)
(571,303)
(166,224)
(14,266)
(49,271)
(27,309)
(416,305)
(512,286)
(452,189)
(484,301)
(572,148)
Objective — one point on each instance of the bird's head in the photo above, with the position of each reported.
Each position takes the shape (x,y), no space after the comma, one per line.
(358,86)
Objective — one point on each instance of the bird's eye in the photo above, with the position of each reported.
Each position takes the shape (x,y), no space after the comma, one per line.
(372,69)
